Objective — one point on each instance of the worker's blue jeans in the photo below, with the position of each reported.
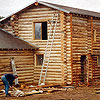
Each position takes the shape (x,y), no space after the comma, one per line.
(6,84)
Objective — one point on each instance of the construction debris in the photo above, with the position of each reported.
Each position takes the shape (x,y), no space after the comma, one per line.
(18,93)
(30,90)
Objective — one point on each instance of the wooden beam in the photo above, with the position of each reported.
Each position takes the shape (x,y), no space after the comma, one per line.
(94,33)
(61,19)
(93,69)
(89,69)
(91,34)
(71,47)
(62,43)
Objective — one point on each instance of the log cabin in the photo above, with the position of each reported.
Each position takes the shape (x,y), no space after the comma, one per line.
(75,53)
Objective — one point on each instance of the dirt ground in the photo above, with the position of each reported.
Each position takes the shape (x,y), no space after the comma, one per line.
(79,93)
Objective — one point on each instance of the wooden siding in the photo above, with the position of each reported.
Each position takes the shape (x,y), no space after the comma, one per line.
(96,44)
(24,61)
(89,74)
(79,44)
(96,70)
(68,46)
(83,44)
(54,74)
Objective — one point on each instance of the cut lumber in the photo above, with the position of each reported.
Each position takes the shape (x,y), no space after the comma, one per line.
(33,92)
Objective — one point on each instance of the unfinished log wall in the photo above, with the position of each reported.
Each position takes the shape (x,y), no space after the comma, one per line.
(79,44)
(83,43)
(96,43)
(25,27)
(96,50)
(96,70)
(68,48)
(24,62)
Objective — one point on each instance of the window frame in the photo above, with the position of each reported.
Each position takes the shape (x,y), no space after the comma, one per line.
(36,59)
(33,28)
(98,60)
(94,35)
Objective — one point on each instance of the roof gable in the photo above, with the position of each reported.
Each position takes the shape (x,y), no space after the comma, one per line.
(9,41)
(65,9)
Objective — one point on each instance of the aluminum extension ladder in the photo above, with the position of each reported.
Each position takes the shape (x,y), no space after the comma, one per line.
(43,73)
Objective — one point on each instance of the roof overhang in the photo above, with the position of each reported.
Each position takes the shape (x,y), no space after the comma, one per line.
(54,7)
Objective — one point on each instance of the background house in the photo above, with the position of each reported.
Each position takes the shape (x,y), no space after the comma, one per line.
(75,52)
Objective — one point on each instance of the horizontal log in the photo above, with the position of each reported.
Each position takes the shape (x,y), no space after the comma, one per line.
(38,9)
(38,13)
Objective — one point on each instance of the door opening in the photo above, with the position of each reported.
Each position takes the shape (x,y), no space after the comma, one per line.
(83,69)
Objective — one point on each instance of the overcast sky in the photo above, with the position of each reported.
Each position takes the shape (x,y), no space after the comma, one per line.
(8,7)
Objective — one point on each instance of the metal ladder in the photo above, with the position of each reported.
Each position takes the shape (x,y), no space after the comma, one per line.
(44,68)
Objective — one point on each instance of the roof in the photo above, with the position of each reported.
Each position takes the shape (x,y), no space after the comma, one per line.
(9,41)
(73,10)
(65,9)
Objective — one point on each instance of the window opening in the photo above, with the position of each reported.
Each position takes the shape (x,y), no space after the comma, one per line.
(40,31)
(39,59)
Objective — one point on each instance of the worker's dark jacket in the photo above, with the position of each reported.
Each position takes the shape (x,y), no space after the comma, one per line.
(10,78)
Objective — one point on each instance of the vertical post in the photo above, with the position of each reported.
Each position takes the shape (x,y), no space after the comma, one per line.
(62,43)
(92,45)
(90,69)
(71,48)
(91,35)
(14,69)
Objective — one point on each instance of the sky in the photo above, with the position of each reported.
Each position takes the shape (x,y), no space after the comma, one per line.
(7,7)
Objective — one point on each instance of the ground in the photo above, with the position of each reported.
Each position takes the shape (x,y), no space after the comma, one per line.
(79,93)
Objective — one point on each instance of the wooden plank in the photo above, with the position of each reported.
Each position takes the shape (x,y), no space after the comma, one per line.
(71,47)
(91,34)
(62,43)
